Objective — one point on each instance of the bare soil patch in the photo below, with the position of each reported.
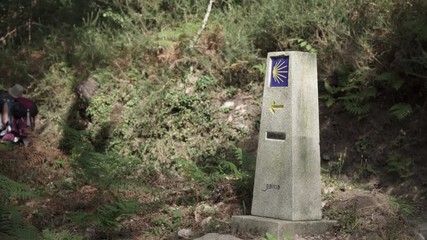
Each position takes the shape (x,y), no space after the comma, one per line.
(366,214)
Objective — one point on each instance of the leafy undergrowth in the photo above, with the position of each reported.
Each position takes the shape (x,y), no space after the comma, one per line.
(155,206)
(159,204)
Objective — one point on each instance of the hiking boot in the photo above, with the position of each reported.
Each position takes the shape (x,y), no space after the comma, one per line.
(5,131)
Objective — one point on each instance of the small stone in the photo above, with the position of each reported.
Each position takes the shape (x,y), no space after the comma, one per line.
(328,190)
(326,157)
(205,208)
(241,106)
(323,204)
(193,78)
(69,180)
(206,221)
(189,90)
(185,233)
(228,104)
(344,178)
(90,233)
(230,118)
(242,112)
(216,236)
(242,126)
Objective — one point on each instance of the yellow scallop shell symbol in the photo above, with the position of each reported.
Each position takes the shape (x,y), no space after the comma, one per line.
(279,71)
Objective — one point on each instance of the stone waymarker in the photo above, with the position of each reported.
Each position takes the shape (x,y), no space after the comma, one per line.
(287,195)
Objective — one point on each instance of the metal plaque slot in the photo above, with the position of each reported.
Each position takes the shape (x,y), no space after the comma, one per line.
(276,136)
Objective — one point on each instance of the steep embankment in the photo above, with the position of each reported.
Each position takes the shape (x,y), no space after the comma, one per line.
(140,136)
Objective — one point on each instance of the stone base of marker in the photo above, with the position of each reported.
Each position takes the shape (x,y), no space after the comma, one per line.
(280,228)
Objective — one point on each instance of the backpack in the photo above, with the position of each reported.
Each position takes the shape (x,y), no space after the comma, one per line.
(4,98)
(21,118)
(24,109)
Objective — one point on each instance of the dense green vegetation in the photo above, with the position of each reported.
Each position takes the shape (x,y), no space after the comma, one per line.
(156,112)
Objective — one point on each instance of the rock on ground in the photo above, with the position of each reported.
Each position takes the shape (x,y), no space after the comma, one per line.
(217,236)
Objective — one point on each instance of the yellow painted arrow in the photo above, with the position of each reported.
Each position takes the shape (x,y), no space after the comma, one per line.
(274,107)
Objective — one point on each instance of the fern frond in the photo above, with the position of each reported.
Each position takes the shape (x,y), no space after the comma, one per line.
(62,235)
(231,167)
(103,169)
(360,95)
(107,216)
(10,189)
(401,110)
(14,226)
(192,171)
(239,153)
(392,79)
(357,108)
(260,67)
(330,89)
(329,100)
(400,164)
(74,139)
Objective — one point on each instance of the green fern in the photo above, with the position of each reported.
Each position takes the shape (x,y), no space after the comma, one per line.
(103,170)
(239,153)
(107,216)
(260,67)
(356,99)
(330,89)
(391,79)
(328,99)
(62,235)
(401,110)
(400,164)
(357,102)
(13,226)
(245,161)
(360,95)
(10,189)
(357,108)
(228,166)
(74,140)
(194,172)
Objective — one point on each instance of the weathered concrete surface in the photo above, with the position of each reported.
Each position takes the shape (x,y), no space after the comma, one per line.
(280,228)
(287,176)
(216,236)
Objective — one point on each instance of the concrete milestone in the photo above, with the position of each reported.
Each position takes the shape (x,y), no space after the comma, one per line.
(286,197)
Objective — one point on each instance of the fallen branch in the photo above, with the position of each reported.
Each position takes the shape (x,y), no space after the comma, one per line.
(205,21)
(13,33)
(5,37)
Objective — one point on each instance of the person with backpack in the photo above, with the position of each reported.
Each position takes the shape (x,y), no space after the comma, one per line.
(7,100)
(18,115)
